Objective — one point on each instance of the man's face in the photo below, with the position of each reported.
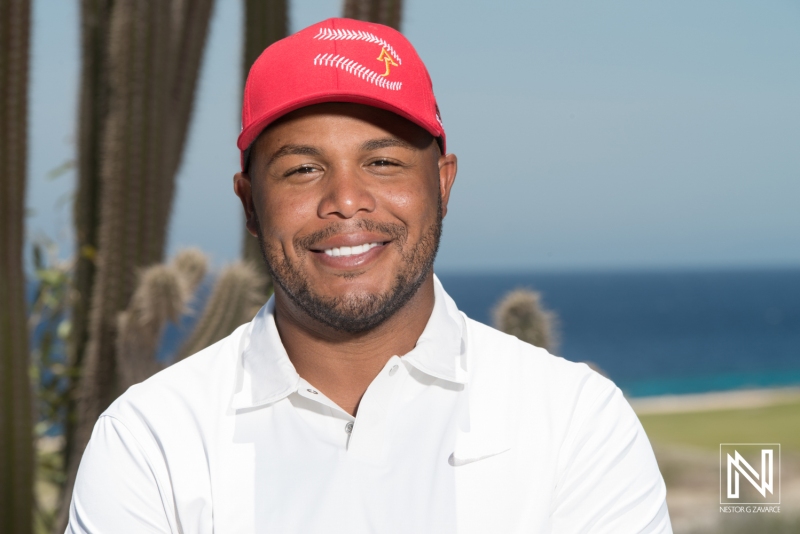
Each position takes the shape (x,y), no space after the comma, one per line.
(347,202)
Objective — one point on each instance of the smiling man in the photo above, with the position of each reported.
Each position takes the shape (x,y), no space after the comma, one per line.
(360,399)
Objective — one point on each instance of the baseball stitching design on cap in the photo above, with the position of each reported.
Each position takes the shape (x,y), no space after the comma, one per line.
(350,35)
(351,66)
(357,69)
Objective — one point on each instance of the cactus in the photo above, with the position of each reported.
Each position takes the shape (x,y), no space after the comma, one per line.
(192,265)
(152,56)
(162,295)
(93,106)
(521,314)
(388,12)
(237,296)
(265,21)
(92,110)
(16,403)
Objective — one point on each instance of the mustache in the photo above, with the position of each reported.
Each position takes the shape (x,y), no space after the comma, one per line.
(393,232)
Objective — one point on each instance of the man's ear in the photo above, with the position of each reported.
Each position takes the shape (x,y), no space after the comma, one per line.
(448,167)
(243,187)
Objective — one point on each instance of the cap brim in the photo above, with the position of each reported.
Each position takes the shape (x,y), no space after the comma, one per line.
(254,129)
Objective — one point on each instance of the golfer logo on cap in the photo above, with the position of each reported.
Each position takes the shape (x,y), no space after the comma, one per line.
(387,59)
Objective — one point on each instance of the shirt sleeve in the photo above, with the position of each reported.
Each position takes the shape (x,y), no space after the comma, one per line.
(116,490)
(610,481)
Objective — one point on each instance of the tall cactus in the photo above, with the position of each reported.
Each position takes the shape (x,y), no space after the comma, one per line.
(388,12)
(265,21)
(520,313)
(152,53)
(92,111)
(16,433)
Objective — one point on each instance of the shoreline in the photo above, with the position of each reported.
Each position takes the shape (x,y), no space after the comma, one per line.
(714,401)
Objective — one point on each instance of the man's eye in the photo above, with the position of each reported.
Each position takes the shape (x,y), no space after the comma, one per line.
(383,163)
(305,169)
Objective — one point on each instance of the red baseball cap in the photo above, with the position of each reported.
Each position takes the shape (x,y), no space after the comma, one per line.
(339,60)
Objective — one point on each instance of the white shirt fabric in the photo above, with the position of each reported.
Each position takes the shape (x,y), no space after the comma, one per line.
(473,431)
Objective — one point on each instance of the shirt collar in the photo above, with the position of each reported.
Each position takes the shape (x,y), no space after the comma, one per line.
(265,374)
(441,349)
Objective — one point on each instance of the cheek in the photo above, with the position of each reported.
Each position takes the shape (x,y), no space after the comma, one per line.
(401,200)
(285,214)
(415,205)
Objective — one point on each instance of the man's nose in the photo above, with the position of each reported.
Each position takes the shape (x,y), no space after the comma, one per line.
(347,192)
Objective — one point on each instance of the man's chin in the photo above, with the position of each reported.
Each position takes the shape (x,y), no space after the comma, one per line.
(353,314)
(352,307)
(352,286)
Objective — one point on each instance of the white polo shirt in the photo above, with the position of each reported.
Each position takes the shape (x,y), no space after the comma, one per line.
(233,440)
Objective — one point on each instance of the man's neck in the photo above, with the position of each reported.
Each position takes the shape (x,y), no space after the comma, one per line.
(343,365)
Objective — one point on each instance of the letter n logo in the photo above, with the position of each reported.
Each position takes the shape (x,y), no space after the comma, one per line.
(748,473)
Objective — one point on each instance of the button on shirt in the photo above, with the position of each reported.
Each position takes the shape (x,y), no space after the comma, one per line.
(234,440)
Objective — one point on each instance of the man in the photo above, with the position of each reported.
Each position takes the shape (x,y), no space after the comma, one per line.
(360,399)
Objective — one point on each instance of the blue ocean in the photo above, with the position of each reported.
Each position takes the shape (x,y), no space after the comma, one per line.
(670,332)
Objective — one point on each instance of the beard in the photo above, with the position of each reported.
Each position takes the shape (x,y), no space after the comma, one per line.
(355,313)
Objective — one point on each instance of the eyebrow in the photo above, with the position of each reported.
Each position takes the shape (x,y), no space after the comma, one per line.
(293,150)
(307,150)
(385,142)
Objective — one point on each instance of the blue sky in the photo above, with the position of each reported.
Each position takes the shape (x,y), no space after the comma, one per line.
(590,135)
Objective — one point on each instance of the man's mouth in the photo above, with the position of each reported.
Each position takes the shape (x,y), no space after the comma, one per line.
(345,248)
(352,250)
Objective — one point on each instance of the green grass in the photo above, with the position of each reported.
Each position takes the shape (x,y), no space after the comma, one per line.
(772,424)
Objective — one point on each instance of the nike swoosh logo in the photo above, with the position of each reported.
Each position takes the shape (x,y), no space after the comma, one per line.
(457,462)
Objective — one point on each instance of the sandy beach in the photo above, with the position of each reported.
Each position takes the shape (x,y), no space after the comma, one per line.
(723,400)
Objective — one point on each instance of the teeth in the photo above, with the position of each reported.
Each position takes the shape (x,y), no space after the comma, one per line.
(350,251)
